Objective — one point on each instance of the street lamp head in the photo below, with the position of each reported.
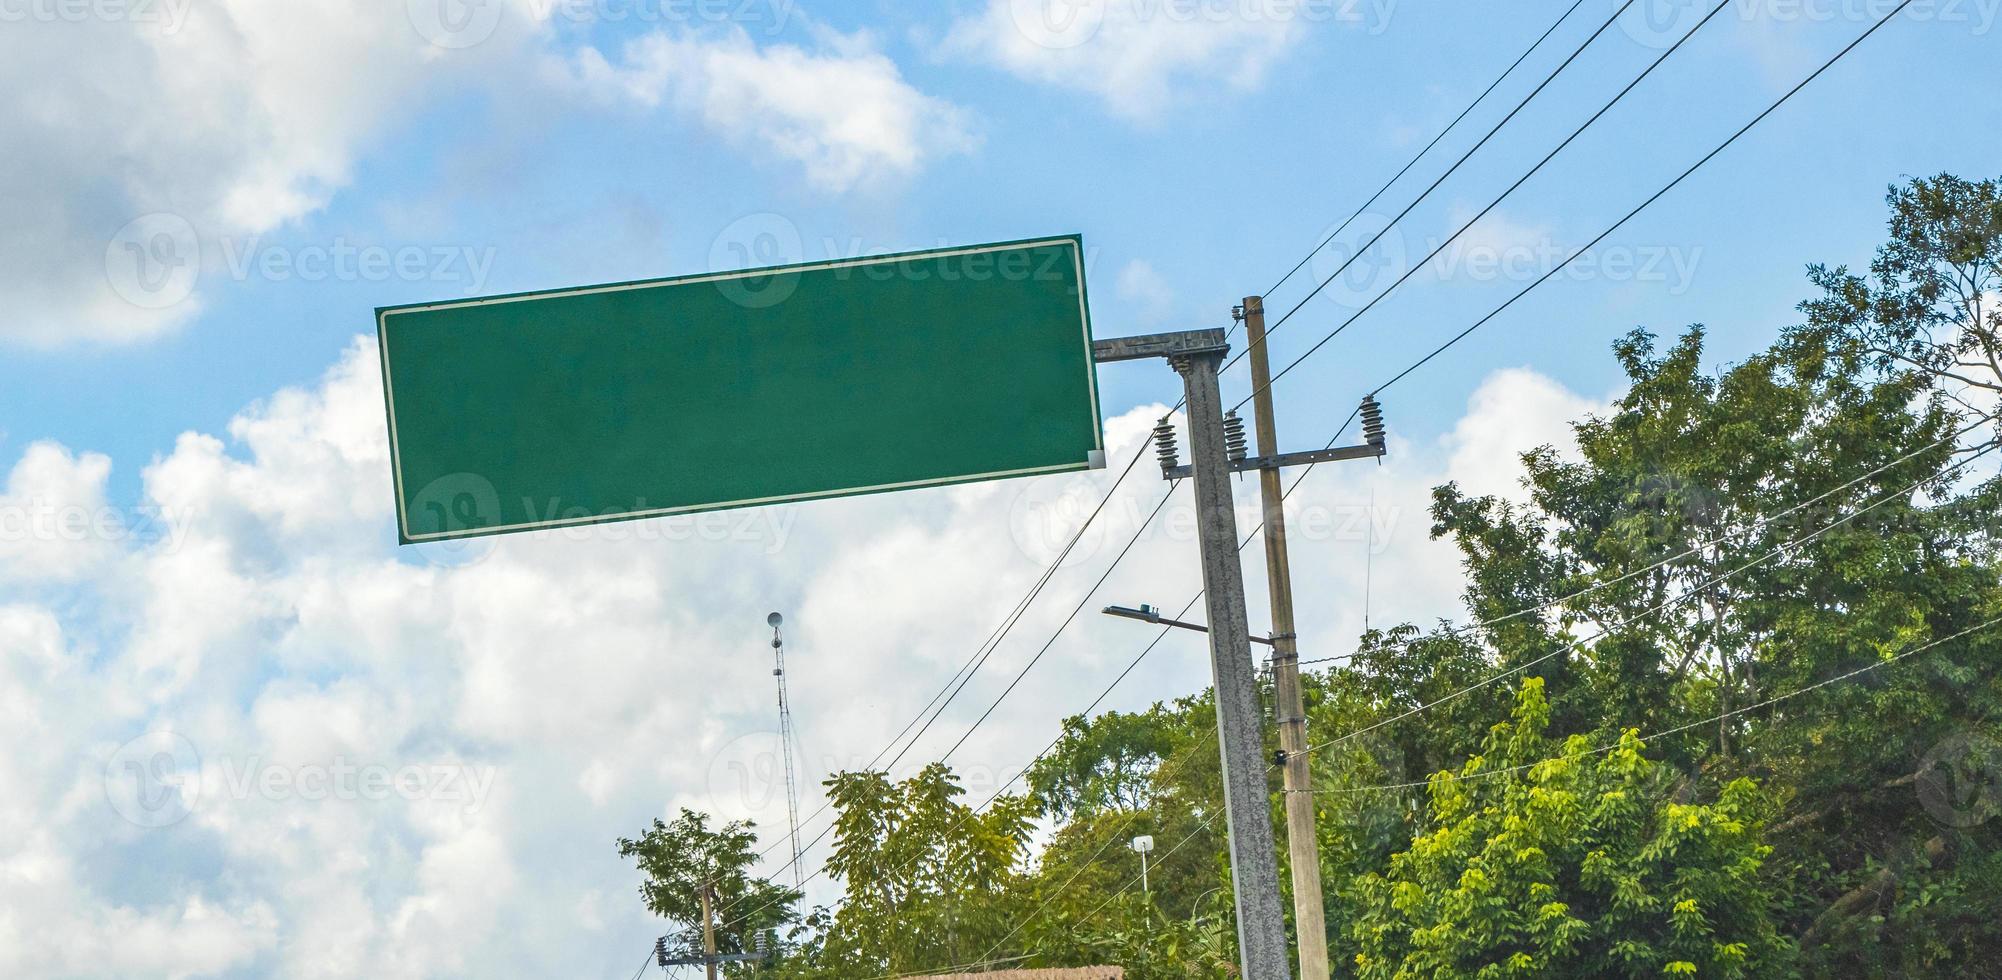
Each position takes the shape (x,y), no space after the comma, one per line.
(1143,845)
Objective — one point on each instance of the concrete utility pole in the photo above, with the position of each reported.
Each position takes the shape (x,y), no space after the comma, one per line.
(1302,845)
(1261,921)
(1217,450)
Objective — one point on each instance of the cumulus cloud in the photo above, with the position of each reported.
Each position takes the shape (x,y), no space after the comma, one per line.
(1141,56)
(158,128)
(333,758)
(160,139)
(1147,289)
(845,113)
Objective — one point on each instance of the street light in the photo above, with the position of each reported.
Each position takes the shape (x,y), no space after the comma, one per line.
(1149,614)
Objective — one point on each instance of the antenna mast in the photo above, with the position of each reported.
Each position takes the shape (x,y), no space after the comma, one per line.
(786,742)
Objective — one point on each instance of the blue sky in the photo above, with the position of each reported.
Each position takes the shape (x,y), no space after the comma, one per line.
(323,159)
(1221,185)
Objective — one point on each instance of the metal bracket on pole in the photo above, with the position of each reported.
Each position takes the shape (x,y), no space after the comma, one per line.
(1178,344)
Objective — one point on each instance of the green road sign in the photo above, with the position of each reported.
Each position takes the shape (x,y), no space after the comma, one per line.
(643,399)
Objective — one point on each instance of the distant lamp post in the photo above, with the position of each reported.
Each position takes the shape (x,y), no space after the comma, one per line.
(1144,846)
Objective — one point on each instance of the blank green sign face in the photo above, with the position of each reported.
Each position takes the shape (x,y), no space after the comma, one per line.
(643,399)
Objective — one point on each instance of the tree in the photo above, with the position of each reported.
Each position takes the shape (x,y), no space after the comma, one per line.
(926,877)
(1102,763)
(682,858)
(1931,302)
(1541,862)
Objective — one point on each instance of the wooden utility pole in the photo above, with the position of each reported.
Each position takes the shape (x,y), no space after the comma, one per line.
(1302,846)
(708,931)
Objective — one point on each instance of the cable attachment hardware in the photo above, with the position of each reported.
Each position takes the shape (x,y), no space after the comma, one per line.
(1165,449)
(1372,422)
(1233,437)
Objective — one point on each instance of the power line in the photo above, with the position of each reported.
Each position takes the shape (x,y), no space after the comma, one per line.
(1671,185)
(1738,711)
(1330,278)
(1137,532)
(1135,663)
(1651,612)
(964,676)
(965,673)
(1546,276)
(1769,702)
(1023,608)
(1024,672)
(1416,267)
(1647,613)
(1123,674)
(1506,72)
(1662,563)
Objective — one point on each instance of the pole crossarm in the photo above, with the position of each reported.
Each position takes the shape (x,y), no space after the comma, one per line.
(714,960)
(1209,340)
(1309,457)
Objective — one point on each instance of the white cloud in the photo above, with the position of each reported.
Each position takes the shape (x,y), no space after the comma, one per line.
(147,134)
(1141,57)
(1142,285)
(846,113)
(156,142)
(1514,411)
(558,691)
(54,522)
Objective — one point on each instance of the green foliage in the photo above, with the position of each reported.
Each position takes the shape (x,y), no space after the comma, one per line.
(1572,863)
(1102,763)
(681,858)
(1930,302)
(927,879)
(1718,538)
